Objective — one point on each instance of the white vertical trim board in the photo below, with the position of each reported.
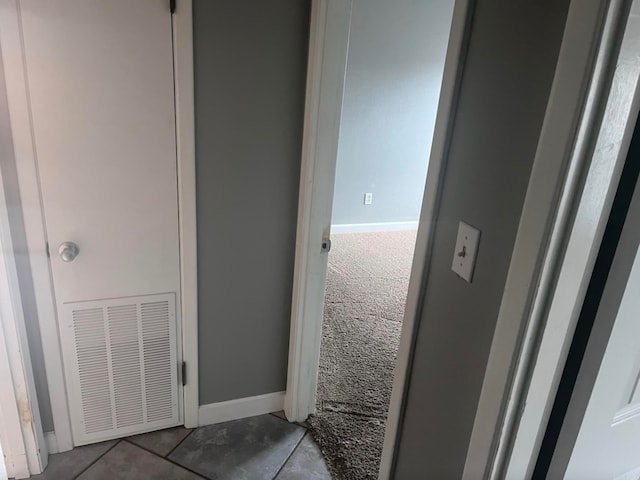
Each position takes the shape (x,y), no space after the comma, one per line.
(564,303)
(20,425)
(18,98)
(13,446)
(328,45)
(185,138)
(240,408)
(4,473)
(555,248)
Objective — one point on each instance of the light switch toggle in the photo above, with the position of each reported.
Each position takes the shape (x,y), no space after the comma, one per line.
(464,257)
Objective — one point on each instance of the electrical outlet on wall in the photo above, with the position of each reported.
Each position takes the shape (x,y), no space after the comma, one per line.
(368,198)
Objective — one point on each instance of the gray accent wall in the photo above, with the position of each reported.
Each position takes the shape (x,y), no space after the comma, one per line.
(505,86)
(394,71)
(18,237)
(250,72)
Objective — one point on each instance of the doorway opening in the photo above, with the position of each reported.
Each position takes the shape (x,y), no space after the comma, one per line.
(394,66)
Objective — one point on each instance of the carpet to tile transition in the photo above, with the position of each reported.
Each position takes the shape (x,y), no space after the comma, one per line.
(367,280)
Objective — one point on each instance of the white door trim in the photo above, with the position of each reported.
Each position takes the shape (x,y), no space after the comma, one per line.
(21,435)
(330,24)
(565,211)
(18,99)
(28,179)
(328,45)
(613,130)
(185,138)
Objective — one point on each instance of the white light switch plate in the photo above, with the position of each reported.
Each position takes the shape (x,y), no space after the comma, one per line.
(464,255)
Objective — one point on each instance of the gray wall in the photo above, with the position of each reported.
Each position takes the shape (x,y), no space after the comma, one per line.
(394,70)
(250,73)
(506,82)
(12,194)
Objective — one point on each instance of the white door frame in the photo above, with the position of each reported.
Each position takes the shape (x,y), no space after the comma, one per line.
(329,40)
(613,124)
(21,436)
(28,180)
(570,192)
(605,366)
(327,64)
(186,153)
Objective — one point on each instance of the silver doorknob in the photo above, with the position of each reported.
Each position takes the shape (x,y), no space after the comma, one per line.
(68,251)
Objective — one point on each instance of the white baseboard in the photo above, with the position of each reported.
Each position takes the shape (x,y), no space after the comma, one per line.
(373,227)
(52,442)
(240,408)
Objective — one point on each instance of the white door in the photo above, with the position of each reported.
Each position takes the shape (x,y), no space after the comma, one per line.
(100,81)
(607,444)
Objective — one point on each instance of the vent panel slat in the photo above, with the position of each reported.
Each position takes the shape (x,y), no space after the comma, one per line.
(93,369)
(156,329)
(125,361)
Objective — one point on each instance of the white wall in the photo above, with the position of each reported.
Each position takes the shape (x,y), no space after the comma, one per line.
(394,71)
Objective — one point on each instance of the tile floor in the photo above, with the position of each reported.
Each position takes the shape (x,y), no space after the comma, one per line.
(265,447)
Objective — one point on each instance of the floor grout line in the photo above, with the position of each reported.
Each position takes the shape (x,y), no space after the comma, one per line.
(299,424)
(184,467)
(180,443)
(306,432)
(275,414)
(167,459)
(97,459)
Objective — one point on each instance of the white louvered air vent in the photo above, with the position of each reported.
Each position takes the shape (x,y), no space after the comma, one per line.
(124,369)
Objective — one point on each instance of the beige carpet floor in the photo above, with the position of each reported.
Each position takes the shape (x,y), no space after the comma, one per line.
(367,280)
